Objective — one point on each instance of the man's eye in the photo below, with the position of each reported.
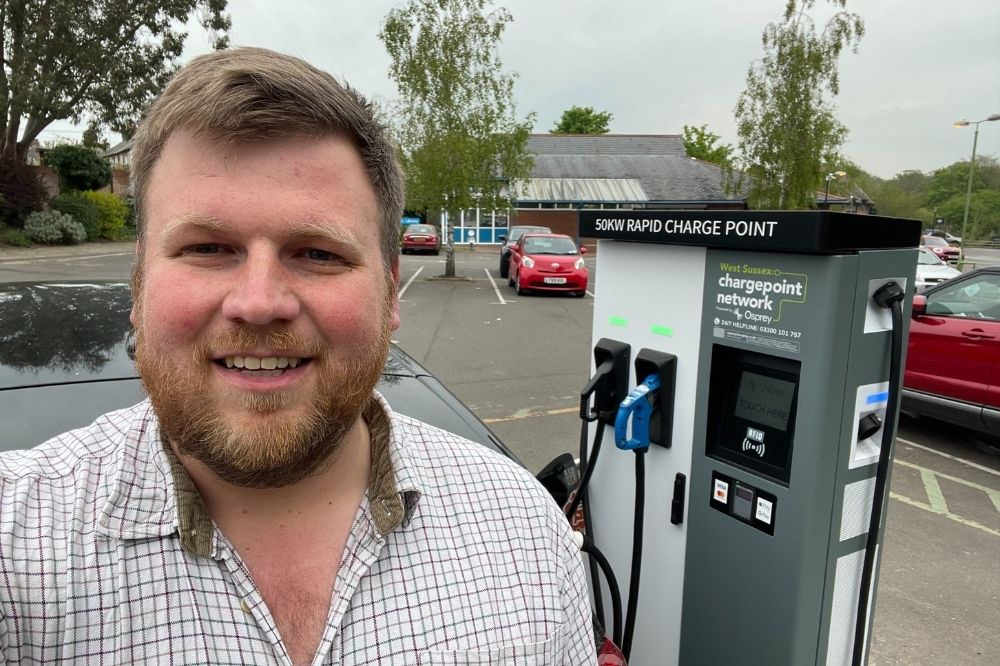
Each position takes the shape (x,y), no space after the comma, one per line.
(203,248)
(313,254)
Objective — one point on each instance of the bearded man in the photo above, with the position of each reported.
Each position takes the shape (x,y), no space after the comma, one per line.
(265,505)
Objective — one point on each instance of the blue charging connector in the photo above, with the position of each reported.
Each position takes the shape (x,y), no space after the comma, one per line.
(636,406)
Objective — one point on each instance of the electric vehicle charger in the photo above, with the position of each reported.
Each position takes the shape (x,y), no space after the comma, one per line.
(776,319)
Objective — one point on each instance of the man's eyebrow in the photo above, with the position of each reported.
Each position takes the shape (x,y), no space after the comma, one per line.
(298,230)
(184,222)
(334,234)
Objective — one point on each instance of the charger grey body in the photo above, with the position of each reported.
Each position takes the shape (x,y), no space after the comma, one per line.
(779,356)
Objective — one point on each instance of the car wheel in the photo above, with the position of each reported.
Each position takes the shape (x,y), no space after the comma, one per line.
(580,294)
(521,291)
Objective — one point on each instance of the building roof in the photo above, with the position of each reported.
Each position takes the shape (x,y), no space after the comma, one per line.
(118,148)
(619,168)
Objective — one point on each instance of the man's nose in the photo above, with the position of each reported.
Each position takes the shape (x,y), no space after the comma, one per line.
(262,293)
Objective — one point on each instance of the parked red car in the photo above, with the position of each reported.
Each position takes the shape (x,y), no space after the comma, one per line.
(548,262)
(421,238)
(953,359)
(941,248)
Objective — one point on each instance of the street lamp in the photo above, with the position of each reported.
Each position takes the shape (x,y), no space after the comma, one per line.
(826,193)
(972,166)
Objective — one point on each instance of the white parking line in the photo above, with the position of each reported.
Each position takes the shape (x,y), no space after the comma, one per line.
(407,285)
(495,288)
(949,457)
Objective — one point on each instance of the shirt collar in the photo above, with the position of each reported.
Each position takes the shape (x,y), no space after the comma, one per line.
(153,495)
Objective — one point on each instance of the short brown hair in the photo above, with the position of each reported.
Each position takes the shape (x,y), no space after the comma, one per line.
(248,94)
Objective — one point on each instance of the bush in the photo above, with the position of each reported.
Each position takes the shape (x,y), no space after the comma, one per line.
(81,209)
(79,168)
(111,214)
(53,227)
(14,237)
(21,192)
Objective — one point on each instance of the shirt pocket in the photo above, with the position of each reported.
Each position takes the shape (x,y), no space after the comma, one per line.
(545,653)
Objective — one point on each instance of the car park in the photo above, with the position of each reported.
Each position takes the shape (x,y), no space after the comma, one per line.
(931,270)
(548,262)
(513,235)
(952,368)
(421,238)
(941,248)
(65,360)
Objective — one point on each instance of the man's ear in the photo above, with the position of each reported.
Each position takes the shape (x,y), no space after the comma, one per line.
(394,315)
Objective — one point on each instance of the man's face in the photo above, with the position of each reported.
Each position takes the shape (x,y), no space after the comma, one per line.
(263,308)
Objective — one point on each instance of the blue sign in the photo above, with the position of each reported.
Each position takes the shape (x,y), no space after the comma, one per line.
(407,221)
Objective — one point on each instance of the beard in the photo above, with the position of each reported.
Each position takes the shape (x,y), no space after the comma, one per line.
(274,439)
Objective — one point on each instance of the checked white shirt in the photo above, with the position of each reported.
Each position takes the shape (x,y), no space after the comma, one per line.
(456,556)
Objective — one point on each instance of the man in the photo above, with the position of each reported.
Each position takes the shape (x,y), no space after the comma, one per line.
(265,505)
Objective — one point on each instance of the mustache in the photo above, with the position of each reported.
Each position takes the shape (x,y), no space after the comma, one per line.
(271,337)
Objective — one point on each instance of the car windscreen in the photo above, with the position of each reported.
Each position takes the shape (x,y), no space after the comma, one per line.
(934,240)
(549,246)
(420,229)
(928,258)
(517,232)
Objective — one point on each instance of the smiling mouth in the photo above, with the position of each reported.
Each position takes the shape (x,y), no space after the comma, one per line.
(267,366)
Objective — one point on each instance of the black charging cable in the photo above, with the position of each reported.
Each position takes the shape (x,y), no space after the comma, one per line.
(890,295)
(587,465)
(609,575)
(637,531)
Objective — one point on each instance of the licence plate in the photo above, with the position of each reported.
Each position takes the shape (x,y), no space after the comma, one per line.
(551,280)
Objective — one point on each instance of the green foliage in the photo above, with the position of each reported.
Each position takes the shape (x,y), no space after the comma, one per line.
(81,209)
(93,137)
(704,145)
(13,237)
(105,60)
(582,120)
(785,122)
(111,214)
(460,142)
(21,192)
(50,227)
(79,168)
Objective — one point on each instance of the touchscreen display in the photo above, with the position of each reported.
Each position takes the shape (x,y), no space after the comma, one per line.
(764,400)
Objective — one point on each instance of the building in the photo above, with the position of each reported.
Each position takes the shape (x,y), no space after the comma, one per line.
(572,172)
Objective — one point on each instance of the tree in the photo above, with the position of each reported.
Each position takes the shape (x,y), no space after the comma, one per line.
(76,57)
(94,138)
(785,123)
(582,120)
(460,143)
(704,145)
(79,168)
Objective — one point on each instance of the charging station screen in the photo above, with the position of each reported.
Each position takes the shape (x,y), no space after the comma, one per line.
(766,400)
(751,410)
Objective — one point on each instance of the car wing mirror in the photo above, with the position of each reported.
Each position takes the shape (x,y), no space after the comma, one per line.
(583,249)
(919,304)
(560,477)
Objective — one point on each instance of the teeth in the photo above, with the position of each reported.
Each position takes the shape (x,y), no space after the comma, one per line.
(267,363)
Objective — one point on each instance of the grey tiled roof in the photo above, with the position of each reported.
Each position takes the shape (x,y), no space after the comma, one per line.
(606,144)
(657,163)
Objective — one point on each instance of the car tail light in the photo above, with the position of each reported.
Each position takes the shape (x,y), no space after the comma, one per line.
(528,262)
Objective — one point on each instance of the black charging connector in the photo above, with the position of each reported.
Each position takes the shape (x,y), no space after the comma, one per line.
(888,293)
(664,366)
(611,385)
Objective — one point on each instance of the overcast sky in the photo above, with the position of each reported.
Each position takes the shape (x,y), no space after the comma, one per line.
(658,65)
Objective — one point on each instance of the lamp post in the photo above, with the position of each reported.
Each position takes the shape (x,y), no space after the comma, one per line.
(972,166)
(826,192)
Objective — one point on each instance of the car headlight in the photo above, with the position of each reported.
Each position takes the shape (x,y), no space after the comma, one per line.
(528,262)
(579,264)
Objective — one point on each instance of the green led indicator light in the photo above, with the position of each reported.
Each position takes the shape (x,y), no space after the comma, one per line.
(618,321)
(663,330)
